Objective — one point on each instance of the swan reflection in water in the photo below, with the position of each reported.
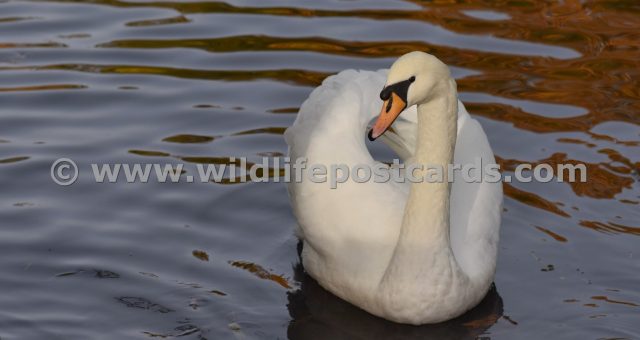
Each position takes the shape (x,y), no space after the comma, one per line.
(318,314)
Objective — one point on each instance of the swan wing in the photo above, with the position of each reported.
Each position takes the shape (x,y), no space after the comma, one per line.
(339,226)
(476,201)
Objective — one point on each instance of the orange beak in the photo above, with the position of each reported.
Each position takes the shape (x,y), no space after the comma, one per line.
(391,109)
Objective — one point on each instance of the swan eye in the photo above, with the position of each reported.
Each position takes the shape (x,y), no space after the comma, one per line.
(399,88)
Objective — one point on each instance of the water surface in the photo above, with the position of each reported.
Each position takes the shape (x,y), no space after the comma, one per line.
(112,81)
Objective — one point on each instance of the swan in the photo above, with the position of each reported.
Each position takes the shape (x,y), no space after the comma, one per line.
(412,253)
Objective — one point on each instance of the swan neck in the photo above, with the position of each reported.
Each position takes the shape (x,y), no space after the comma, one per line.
(424,243)
(427,211)
(437,129)
(425,224)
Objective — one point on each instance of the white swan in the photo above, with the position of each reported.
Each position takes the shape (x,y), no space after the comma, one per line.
(411,253)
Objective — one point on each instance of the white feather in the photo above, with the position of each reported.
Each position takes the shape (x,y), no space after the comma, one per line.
(350,233)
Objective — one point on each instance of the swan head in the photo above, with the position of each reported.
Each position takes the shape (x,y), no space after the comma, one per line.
(412,80)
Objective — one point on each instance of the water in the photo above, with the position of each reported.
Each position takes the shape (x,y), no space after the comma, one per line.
(110,81)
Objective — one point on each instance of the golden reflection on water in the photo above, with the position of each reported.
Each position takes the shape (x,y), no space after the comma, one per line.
(13,159)
(599,79)
(188,139)
(262,273)
(43,88)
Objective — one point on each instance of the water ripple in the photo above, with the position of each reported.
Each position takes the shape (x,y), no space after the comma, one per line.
(209,82)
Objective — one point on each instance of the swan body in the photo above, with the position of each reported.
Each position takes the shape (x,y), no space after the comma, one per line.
(412,253)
